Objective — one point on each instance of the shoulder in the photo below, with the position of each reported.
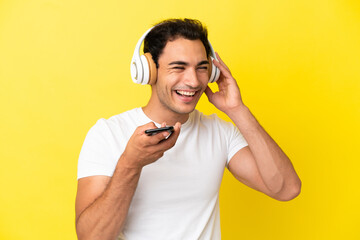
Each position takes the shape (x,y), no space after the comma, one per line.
(128,116)
(113,127)
(216,125)
(120,119)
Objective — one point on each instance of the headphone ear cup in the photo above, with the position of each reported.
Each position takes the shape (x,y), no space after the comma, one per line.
(214,72)
(152,68)
(145,70)
(136,71)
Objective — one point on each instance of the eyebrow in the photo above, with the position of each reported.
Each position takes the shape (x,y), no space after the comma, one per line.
(186,64)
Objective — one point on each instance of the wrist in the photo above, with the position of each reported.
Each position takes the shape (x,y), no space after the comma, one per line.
(128,164)
(237,111)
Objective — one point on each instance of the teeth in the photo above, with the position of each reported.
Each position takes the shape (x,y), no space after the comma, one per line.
(186,93)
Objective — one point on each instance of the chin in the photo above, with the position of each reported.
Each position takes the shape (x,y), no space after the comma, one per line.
(184,110)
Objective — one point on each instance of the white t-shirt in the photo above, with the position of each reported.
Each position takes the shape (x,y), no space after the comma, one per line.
(177,196)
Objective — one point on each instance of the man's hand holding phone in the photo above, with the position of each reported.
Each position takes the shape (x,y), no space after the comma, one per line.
(148,143)
(154,131)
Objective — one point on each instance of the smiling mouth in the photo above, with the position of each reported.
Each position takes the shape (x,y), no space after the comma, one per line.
(185,93)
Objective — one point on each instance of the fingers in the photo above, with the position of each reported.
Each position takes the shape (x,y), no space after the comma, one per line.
(176,132)
(155,138)
(222,66)
(170,141)
(150,140)
(209,93)
(160,147)
(143,149)
(221,61)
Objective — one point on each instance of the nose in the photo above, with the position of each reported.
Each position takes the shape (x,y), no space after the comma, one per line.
(191,79)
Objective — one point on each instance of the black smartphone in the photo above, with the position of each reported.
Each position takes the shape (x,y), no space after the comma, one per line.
(154,131)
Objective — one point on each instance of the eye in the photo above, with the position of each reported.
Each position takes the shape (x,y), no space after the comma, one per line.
(178,67)
(202,68)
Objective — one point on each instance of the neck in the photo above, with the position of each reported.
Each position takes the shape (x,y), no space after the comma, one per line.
(160,114)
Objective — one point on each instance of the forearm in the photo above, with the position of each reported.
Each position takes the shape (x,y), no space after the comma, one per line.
(105,217)
(274,166)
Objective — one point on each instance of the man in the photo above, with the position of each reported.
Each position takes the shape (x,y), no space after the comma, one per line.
(138,186)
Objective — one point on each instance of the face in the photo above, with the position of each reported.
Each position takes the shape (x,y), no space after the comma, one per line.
(182,75)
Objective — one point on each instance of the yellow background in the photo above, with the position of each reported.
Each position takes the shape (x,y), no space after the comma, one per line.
(64,64)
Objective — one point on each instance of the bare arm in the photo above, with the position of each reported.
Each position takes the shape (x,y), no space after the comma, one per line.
(102,215)
(262,165)
(102,203)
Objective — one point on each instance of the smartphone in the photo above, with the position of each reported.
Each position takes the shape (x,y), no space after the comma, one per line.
(154,131)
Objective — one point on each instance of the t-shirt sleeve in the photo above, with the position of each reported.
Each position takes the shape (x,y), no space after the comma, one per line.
(97,155)
(236,141)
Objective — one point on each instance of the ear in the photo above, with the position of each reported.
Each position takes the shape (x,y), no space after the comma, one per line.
(152,68)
